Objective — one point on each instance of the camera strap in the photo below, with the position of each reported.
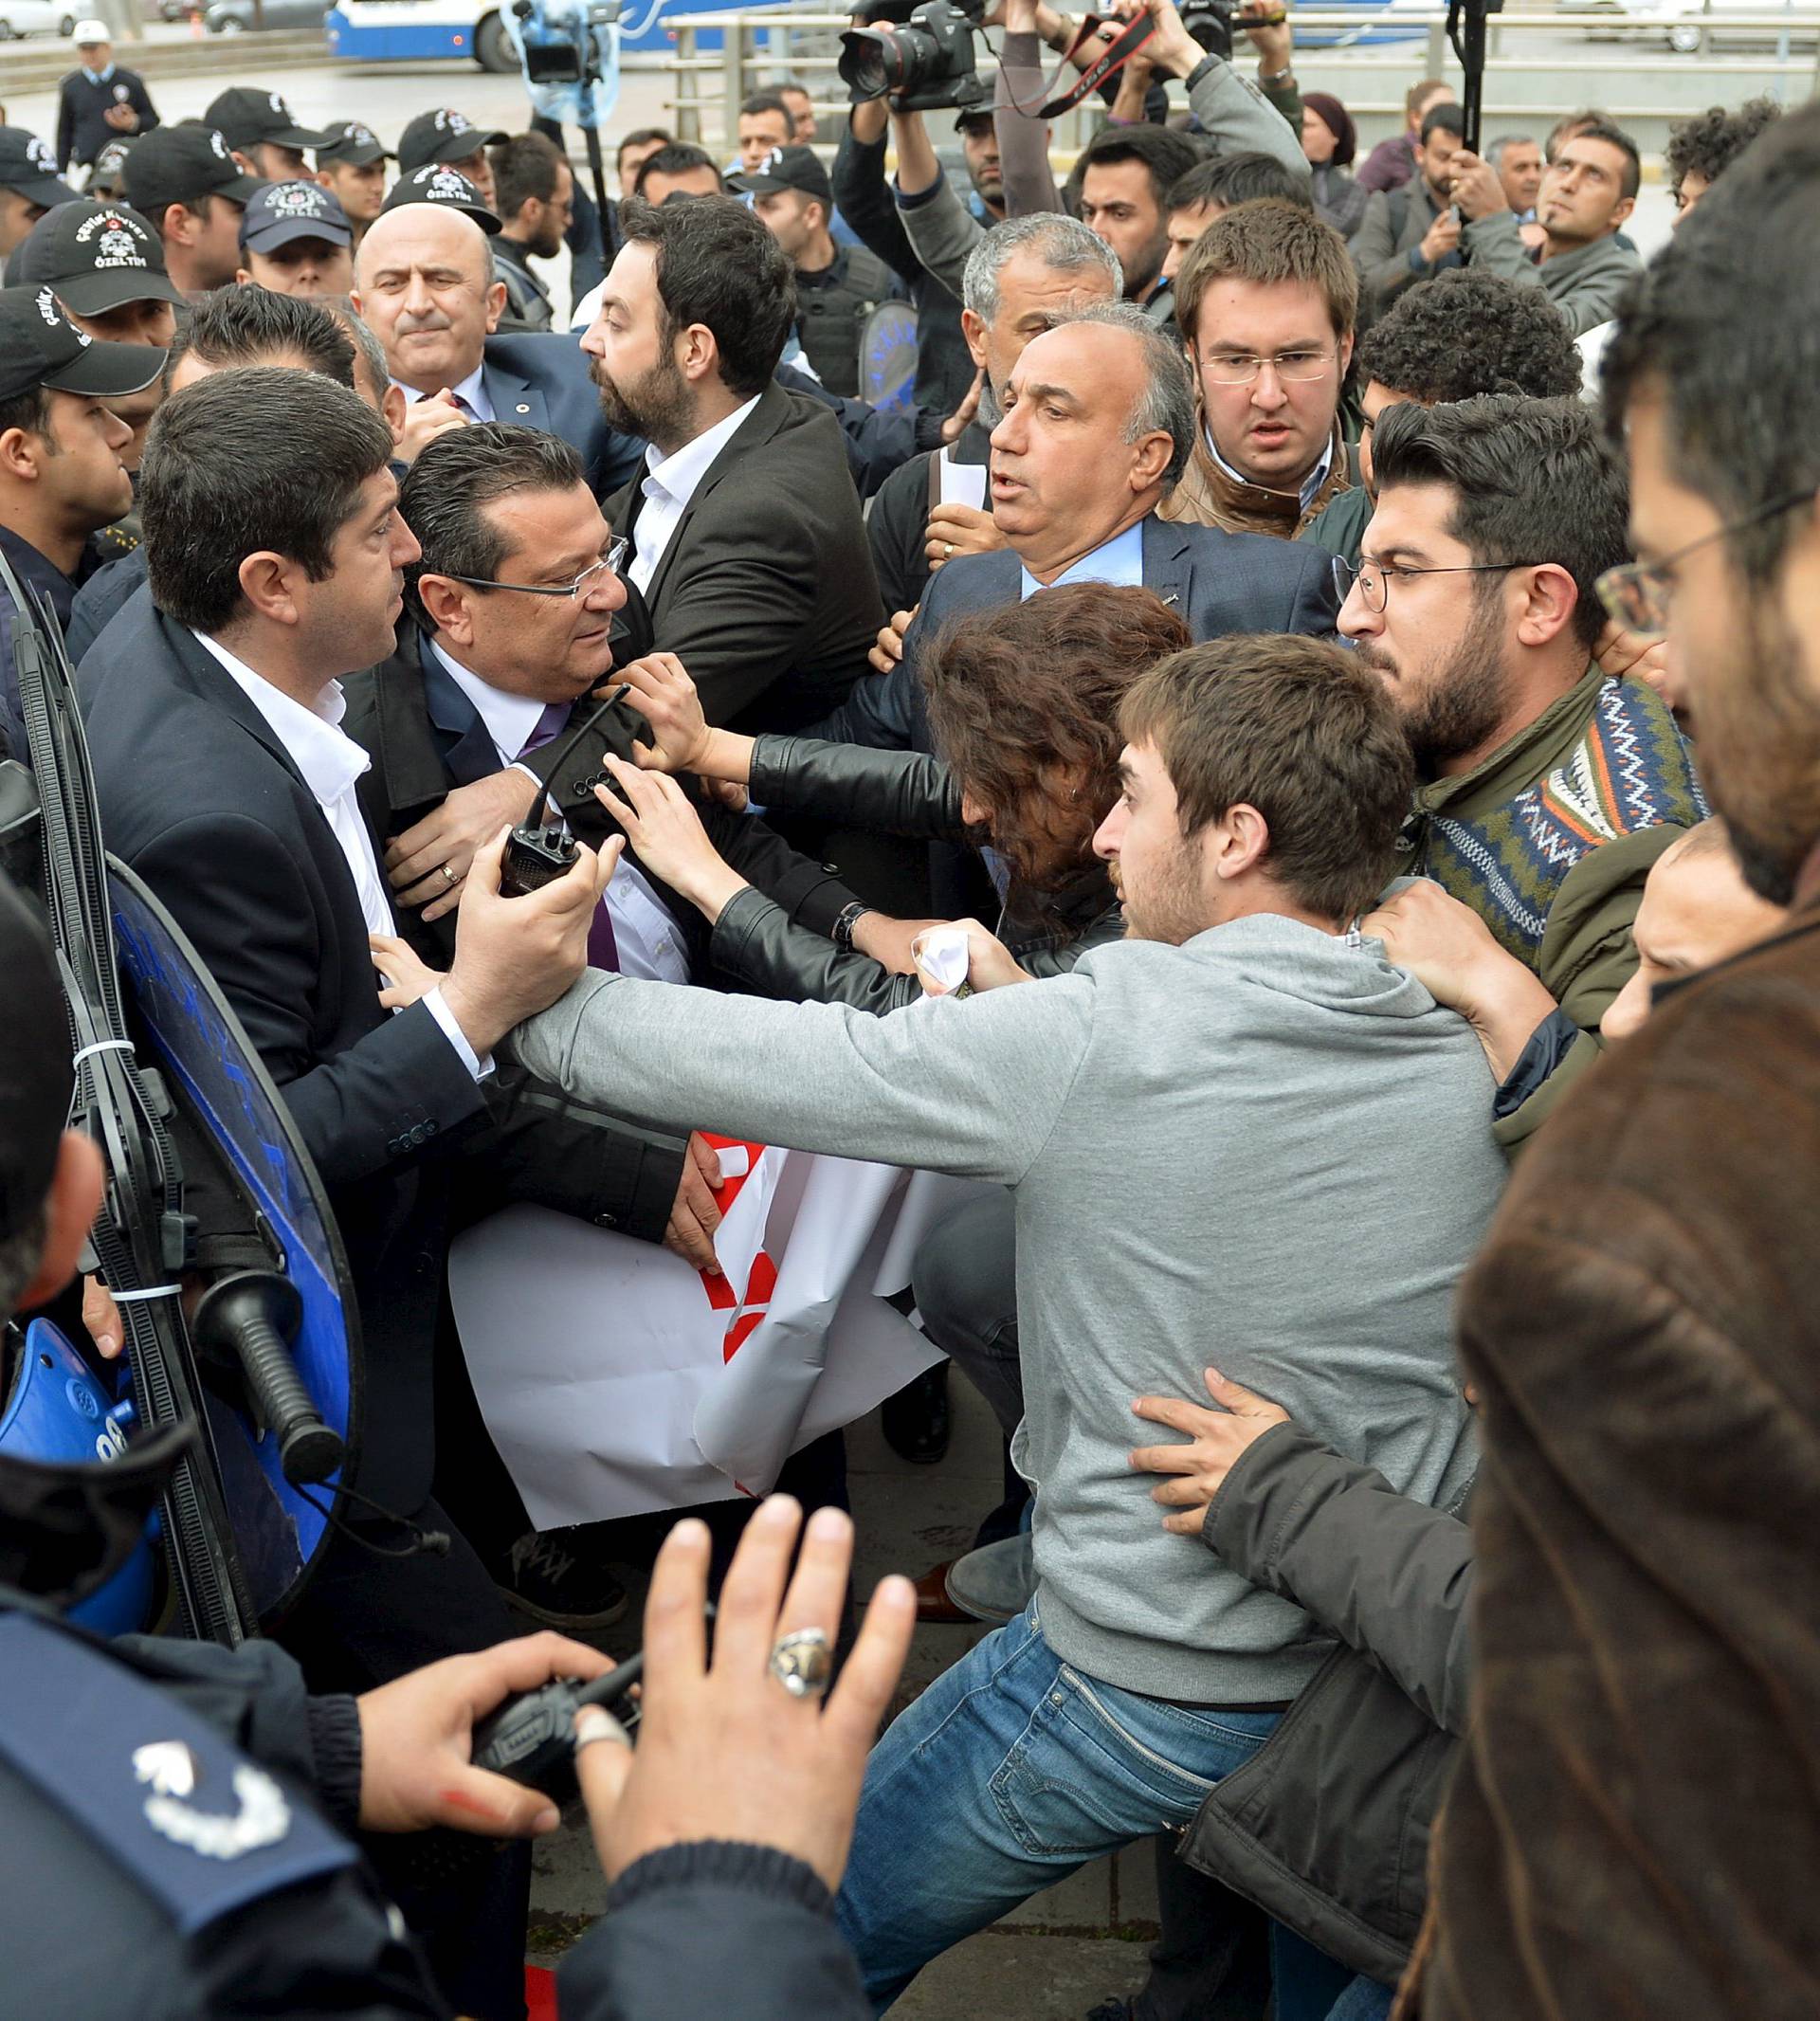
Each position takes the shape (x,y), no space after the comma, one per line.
(1112,59)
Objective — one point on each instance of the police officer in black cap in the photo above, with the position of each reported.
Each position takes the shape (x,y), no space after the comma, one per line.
(351,164)
(29,184)
(449,140)
(190,187)
(266,136)
(61,473)
(106,266)
(837,286)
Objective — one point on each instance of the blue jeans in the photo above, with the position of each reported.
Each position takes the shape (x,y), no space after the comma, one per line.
(1310,1986)
(1008,1774)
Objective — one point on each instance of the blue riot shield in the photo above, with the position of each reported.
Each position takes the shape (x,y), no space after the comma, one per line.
(228,1102)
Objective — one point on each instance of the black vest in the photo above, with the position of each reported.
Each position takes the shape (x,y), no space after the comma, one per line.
(832,312)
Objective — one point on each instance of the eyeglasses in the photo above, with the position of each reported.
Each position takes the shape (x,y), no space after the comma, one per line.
(611,563)
(1637,596)
(1239,368)
(1374,582)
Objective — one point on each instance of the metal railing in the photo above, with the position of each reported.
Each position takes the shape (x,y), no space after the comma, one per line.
(764,45)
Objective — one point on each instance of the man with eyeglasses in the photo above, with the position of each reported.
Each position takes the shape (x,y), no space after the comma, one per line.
(1266,302)
(505,643)
(1547,789)
(1643,1327)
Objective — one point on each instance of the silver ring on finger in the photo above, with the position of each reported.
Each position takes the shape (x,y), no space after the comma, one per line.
(449,873)
(947,549)
(803,1663)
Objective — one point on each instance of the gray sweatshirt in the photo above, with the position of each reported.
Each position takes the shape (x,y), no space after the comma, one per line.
(1586,285)
(1265,1150)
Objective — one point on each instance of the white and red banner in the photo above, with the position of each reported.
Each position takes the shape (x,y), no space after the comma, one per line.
(615,1378)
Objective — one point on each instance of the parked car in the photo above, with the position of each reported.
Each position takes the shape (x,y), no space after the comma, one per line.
(235,17)
(35,17)
(1687,27)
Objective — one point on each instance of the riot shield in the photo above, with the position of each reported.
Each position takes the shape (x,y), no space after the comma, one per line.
(222,1089)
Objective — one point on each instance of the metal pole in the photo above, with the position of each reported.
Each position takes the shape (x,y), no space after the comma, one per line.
(688,87)
(733,50)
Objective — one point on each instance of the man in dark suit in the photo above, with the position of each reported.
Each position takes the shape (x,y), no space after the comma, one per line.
(423,284)
(1099,423)
(748,545)
(511,606)
(276,552)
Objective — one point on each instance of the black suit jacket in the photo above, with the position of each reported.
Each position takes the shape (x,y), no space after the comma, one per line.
(1220,583)
(539,379)
(199,797)
(766,591)
(426,737)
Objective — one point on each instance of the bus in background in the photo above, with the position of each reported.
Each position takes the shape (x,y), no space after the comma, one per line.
(376,31)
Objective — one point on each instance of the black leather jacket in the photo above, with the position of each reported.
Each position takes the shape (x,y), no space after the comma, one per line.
(900,793)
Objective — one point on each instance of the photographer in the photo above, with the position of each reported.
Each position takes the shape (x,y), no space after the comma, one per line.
(1235,116)
(945,372)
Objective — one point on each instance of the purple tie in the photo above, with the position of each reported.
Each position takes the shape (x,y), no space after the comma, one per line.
(603,950)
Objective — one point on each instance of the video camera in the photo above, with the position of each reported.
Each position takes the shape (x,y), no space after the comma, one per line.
(570,53)
(926,65)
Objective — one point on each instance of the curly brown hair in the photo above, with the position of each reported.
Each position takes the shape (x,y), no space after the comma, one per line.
(1023,705)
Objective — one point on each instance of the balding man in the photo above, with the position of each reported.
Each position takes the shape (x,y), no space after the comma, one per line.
(1099,424)
(425,282)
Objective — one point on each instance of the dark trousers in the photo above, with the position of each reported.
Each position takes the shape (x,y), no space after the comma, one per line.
(364,1620)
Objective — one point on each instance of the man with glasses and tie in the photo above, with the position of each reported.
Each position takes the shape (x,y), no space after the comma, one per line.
(1546,789)
(1266,302)
(503,652)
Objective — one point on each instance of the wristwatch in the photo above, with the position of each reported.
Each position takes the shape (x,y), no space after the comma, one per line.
(841,932)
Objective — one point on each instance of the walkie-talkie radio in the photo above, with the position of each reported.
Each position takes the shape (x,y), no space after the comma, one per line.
(539,850)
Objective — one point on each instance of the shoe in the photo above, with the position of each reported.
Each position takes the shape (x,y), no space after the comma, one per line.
(933,1607)
(550,1585)
(1111,2011)
(916,1422)
(995,1583)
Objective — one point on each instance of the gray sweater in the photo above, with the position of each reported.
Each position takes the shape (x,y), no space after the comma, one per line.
(1266,1150)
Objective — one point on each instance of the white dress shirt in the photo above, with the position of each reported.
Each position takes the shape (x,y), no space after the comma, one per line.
(650,944)
(471,391)
(331,763)
(670,486)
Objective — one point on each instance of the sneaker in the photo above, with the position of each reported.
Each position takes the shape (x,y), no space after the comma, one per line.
(996,1582)
(549,1584)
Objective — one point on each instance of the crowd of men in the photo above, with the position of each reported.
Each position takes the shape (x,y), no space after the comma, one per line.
(1351,638)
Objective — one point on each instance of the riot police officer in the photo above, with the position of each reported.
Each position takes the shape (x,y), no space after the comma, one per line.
(837,286)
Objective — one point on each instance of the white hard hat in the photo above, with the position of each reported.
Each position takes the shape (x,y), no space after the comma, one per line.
(91,30)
